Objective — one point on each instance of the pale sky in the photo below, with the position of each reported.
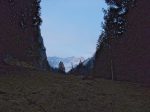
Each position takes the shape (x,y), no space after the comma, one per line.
(71,27)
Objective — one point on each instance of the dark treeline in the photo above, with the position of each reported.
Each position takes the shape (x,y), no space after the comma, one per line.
(123,48)
(21,43)
(83,68)
(114,26)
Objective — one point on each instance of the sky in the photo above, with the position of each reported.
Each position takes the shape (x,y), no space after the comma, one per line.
(71,27)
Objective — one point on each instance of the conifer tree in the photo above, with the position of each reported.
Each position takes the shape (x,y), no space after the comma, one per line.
(61,67)
(115,22)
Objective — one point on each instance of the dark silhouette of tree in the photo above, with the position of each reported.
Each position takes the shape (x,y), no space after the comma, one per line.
(80,64)
(115,22)
(36,13)
(78,70)
(82,68)
(61,67)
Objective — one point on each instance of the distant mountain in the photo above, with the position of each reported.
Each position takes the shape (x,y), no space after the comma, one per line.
(68,62)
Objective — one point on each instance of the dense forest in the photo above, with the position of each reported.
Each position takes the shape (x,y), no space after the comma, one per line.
(123,49)
(21,44)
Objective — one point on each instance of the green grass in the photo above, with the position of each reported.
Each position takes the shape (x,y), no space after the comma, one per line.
(47,92)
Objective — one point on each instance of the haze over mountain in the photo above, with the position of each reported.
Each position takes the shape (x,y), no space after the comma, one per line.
(69,62)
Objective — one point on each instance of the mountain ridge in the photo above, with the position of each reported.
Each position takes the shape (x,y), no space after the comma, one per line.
(69,62)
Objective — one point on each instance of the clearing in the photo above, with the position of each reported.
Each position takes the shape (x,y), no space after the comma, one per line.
(48,92)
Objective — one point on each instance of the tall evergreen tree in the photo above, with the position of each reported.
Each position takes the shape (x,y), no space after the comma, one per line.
(115,22)
(61,67)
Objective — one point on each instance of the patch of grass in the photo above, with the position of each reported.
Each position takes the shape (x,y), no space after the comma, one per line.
(49,92)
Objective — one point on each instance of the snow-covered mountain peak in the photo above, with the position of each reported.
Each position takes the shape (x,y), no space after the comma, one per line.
(69,62)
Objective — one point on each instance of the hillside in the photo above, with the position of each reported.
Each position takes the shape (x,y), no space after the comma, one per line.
(47,92)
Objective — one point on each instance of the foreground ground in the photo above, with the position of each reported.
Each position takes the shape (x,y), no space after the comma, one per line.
(47,92)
